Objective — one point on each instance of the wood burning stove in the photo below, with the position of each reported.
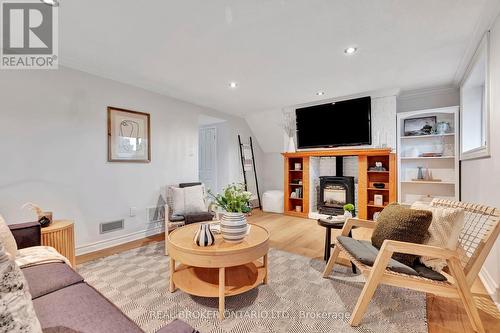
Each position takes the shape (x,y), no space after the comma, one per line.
(334,192)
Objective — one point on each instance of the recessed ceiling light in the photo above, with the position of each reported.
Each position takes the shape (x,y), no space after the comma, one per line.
(53,3)
(320,93)
(350,50)
(233,85)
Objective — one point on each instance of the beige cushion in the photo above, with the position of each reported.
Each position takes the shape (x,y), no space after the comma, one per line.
(194,201)
(177,200)
(447,223)
(7,239)
(16,306)
(188,200)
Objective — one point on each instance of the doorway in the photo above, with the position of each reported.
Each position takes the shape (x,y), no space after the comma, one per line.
(208,157)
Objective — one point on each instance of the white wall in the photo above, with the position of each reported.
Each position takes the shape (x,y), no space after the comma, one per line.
(53,139)
(267,127)
(480,178)
(430,98)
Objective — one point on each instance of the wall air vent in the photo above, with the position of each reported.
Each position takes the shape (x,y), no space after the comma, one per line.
(106,227)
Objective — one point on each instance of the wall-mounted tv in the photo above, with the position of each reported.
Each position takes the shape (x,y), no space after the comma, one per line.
(345,123)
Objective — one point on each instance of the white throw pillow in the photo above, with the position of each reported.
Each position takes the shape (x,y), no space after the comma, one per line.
(444,231)
(188,200)
(7,239)
(194,201)
(177,201)
(16,306)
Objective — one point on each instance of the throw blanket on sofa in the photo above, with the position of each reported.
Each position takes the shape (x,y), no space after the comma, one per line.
(36,255)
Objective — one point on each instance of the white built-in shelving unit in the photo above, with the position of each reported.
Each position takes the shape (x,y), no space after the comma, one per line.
(444,168)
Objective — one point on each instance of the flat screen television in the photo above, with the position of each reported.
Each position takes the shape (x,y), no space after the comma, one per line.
(345,123)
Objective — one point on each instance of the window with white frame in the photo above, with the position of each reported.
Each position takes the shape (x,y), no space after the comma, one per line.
(474,100)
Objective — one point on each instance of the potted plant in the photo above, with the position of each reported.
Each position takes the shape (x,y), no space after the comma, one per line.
(349,210)
(235,201)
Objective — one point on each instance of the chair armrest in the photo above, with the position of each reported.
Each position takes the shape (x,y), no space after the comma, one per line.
(355,222)
(27,234)
(417,249)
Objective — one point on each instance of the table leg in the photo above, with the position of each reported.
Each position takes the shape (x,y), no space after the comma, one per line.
(265,269)
(328,243)
(172,271)
(222,288)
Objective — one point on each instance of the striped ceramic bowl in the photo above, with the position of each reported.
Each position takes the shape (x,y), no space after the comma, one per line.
(233,227)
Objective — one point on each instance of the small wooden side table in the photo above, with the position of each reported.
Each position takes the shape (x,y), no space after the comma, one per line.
(60,234)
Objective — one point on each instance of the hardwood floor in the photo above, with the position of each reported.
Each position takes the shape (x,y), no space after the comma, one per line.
(306,238)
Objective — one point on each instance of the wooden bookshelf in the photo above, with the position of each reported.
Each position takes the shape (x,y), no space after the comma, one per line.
(366,179)
(292,177)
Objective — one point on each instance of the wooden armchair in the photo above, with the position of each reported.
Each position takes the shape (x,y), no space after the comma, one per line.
(480,231)
(172,222)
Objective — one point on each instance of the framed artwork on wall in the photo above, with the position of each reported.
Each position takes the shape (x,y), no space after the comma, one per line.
(128,136)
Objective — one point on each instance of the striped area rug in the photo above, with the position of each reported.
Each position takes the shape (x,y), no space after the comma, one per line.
(296,299)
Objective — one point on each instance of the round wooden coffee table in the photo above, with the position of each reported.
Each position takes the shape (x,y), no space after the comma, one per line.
(223,269)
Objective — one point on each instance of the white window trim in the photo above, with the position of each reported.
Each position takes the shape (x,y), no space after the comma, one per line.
(484,150)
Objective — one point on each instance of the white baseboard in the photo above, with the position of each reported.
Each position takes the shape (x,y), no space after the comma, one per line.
(104,244)
(491,286)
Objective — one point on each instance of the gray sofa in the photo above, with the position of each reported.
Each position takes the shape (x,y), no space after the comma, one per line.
(65,303)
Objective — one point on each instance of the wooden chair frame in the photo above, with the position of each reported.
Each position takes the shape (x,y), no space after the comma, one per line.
(464,263)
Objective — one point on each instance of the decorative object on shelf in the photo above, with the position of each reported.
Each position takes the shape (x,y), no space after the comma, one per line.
(378,167)
(44,218)
(414,152)
(298,209)
(420,173)
(375,216)
(443,127)
(431,155)
(291,145)
(448,149)
(297,166)
(378,200)
(379,185)
(44,221)
(289,129)
(204,236)
(293,195)
(349,210)
(419,126)
(236,203)
(129,136)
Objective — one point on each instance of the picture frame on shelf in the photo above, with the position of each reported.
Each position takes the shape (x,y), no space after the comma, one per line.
(419,126)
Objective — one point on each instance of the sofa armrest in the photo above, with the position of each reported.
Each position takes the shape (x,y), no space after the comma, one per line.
(26,234)
(177,326)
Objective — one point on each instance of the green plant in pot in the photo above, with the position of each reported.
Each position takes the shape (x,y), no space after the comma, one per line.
(349,210)
(235,201)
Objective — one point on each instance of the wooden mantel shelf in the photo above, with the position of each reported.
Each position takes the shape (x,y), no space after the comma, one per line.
(367,157)
(340,152)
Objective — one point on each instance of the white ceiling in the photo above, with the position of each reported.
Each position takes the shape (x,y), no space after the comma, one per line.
(279,52)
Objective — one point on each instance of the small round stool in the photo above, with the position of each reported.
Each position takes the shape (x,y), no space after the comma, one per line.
(329,225)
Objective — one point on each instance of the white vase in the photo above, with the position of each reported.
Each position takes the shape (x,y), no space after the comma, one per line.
(291,145)
(233,227)
(347,214)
